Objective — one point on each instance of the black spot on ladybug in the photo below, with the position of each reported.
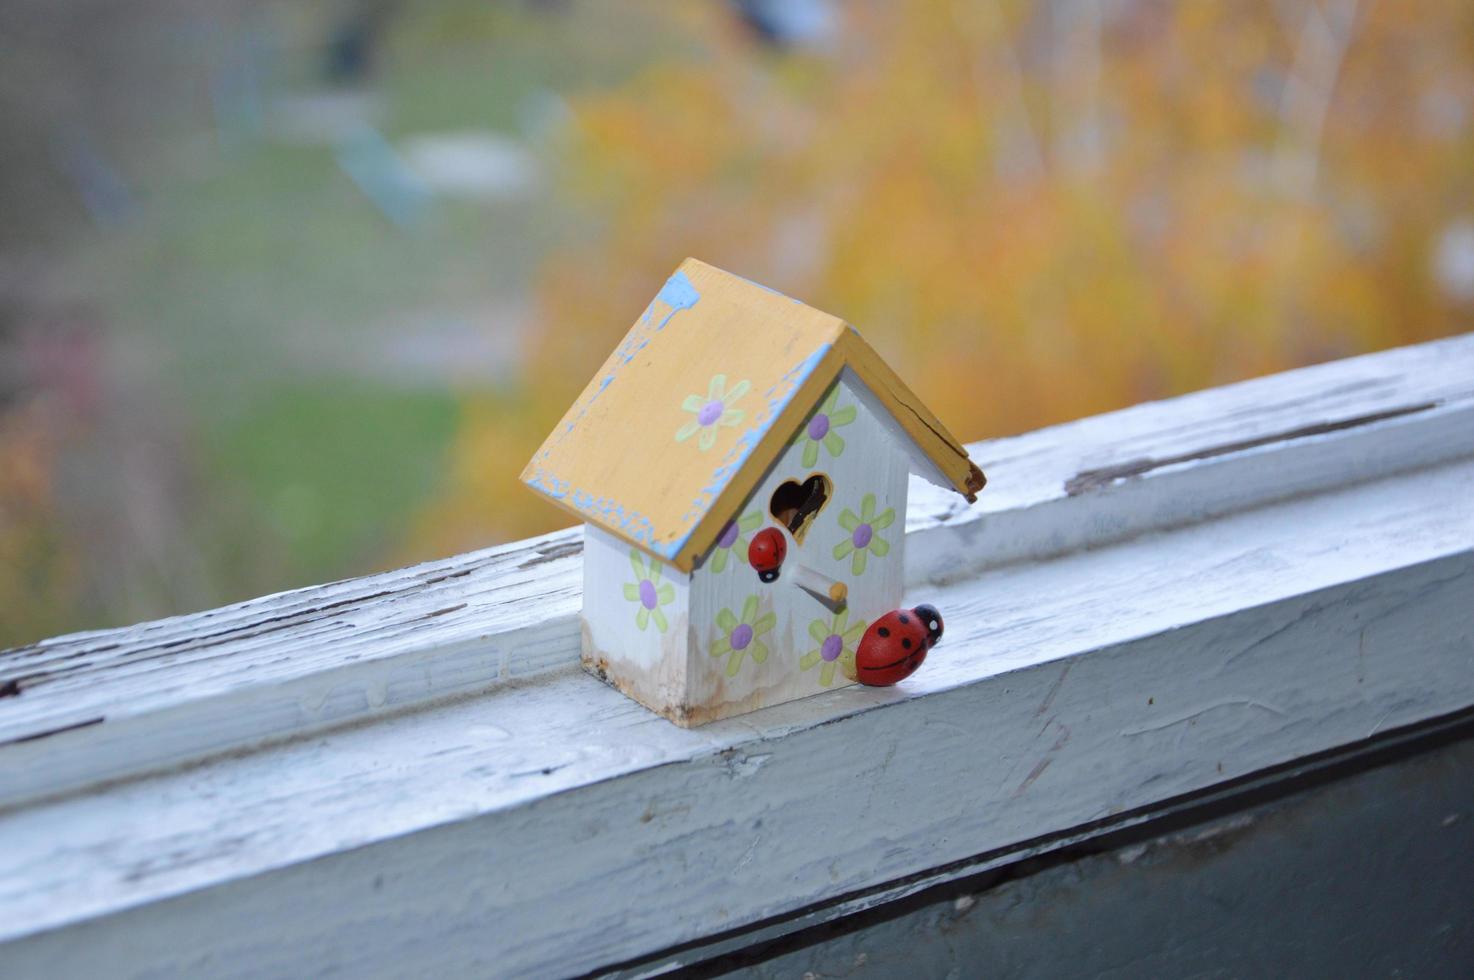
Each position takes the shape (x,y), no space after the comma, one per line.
(906,643)
(905,619)
(884,631)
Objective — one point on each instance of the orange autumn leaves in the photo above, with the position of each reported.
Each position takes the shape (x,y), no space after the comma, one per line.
(1034,212)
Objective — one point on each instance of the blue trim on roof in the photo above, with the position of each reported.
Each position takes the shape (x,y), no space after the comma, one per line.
(779,395)
(679,294)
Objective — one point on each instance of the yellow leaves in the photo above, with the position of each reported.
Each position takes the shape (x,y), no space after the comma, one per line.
(672,131)
(1033,218)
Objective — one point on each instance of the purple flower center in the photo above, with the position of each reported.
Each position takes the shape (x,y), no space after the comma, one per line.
(647,593)
(729,535)
(861,537)
(818,427)
(710,412)
(741,636)
(832,648)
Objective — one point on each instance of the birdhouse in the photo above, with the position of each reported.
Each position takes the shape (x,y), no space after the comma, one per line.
(741,464)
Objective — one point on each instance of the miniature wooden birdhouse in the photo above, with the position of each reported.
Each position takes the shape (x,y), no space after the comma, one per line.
(741,464)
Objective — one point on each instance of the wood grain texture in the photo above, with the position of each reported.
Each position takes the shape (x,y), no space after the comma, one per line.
(105,705)
(486,836)
(1169,463)
(1345,874)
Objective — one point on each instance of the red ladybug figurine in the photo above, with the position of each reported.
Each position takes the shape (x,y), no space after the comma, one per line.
(766,553)
(896,644)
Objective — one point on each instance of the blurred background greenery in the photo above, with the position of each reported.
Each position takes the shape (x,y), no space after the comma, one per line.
(290,292)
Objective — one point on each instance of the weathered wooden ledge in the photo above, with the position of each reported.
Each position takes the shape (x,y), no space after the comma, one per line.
(98,706)
(1142,606)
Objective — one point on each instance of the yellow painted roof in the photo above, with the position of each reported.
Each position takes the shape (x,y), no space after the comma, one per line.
(696,403)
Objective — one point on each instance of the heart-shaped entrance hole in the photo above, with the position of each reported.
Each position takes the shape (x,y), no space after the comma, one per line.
(795,505)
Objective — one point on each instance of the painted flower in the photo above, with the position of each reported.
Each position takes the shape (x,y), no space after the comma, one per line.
(739,637)
(820,429)
(836,639)
(863,539)
(649,592)
(712,412)
(733,541)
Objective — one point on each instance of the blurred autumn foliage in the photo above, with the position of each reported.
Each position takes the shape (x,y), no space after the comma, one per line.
(33,563)
(291,292)
(1036,211)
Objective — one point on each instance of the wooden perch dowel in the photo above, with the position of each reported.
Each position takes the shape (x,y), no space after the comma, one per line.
(832,592)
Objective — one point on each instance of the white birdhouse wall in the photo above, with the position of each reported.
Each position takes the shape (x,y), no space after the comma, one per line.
(756,643)
(635,622)
(722,641)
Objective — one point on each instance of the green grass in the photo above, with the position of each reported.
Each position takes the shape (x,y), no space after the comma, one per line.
(243,292)
(322,472)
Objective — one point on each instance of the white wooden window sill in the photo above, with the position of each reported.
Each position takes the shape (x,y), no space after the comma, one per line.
(408,774)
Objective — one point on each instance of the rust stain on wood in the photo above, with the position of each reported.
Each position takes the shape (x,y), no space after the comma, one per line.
(1095,479)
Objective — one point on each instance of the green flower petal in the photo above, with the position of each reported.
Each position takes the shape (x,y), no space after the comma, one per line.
(659,618)
(844,416)
(818,631)
(731,417)
(632,591)
(726,622)
(857,564)
(843,548)
(765,623)
(734,662)
(692,403)
(879,547)
(721,646)
(719,559)
(687,431)
(848,521)
(655,570)
(708,439)
(854,633)
(826,673)
(840,619)
(749,522)
(885,520)
(637,562)
(867,508)
(828,406)
(666,594)
(811,452)
(749,610)
(833,443)
(717,386)
(642,618)
(758,651)
(809,659)
(738,390)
